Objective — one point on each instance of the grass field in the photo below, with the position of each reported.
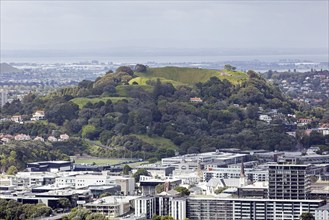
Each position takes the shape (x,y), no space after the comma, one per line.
(83,101)
(157,141)
(100,161)
(182,75)
(122,90)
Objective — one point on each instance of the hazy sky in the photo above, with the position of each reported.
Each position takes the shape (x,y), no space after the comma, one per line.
(161,24)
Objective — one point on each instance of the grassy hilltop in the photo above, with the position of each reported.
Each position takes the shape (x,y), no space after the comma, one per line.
(187,76)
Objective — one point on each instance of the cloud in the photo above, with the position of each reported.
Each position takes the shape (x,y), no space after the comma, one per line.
(185,24)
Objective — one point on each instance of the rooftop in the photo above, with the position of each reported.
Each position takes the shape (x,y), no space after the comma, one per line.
(325,207)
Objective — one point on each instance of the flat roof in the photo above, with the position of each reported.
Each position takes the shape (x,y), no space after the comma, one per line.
(112,200)
(54,161)
(325,207)
(253,199)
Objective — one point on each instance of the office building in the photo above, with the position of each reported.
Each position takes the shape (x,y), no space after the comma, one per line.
(252,174)
(216,208)
(289,181)
(150,206)
(322,213)
(50,166)
(112,206)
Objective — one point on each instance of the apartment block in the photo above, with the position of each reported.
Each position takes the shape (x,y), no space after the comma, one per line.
(289,181)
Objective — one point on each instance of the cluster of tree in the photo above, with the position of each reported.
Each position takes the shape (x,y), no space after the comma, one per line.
(182,190)
(32,129)
(140,172)
(307,216)
(15,155)
(12,210)
(84,214)
(313,139)
(217,122)
(165,217)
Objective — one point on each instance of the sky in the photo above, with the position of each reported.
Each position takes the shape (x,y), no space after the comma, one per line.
(99,25)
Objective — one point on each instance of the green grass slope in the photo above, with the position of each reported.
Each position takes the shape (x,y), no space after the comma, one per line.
(157,141)
(83,101)
(183,75)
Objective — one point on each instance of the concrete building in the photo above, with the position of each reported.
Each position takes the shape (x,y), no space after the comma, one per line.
(112,206)
(28,179)
(145,206)
(202,208)
(252,174)
(194,161)
(322,213)
(50,166)
(127,184)
(289,181)
(156,171)
(161,205)
(178,208)
(77,181)
(148,185)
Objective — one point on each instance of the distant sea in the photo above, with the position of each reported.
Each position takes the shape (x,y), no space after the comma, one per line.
(164,59)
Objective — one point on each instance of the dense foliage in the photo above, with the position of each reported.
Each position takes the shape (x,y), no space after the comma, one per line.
(15,155)
(14,210)
(84,214)
(130,120)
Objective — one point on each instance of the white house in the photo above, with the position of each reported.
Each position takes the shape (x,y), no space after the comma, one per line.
(266,118)
(38,115)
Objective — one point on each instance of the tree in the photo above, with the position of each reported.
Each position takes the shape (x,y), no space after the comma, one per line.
(167,217)
(229,67)
(77,213)
(160,188)
(125,69)
(183,190)
(307,216)
(64,203)
(96,216)
(126,169)
(140,68)
(140,172)
(156,217)
(104,194)
(219,190)
(12,170)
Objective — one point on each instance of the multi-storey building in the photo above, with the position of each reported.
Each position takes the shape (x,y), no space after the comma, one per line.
(322,213)
(216,208)
(195,161)
(161,205)
(252,174)
(289,181)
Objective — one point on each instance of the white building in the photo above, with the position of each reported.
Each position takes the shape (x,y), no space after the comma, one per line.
(322,213)
(17,119)
(64,137)
(161,205)
(22,137)
(145,206)
(112,206)
(193,161)
(266,118)
(127,184)
(38,115)
(252,174)
(241,208)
